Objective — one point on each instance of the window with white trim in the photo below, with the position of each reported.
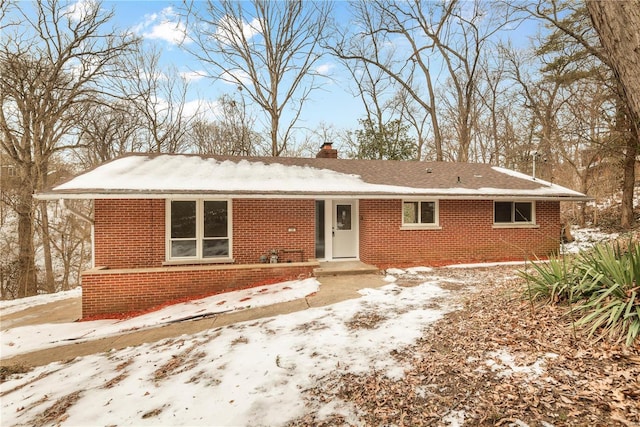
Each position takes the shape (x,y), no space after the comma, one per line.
(513,212)
(419,212)
(198,229)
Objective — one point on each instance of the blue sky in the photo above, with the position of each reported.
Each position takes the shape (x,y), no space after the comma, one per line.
(158,22)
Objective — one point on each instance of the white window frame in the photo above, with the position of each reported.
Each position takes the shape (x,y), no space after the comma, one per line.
(199,233)
(513,223)
(421,226)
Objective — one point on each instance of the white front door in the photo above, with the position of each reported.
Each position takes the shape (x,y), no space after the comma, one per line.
(345,229)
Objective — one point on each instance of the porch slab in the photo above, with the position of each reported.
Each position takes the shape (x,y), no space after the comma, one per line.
(343,268)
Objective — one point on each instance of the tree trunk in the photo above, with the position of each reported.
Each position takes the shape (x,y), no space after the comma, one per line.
(617,24)
(627,219)
(27,280)
(49,284)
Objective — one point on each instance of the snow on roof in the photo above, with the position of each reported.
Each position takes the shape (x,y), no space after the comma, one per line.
(163,175)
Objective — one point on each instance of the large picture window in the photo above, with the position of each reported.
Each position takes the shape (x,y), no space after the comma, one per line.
(198,229)
(513,213)
(418,212)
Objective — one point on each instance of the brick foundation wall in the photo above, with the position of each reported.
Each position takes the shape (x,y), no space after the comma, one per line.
(130,250)
(467,234)
(112,292)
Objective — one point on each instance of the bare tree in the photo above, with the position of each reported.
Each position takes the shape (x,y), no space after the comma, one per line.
(384,110)
(315,138)
(617,25)
(158,94)
(498,125)
(231,134)
(563,15)
(368,40)
(71,242)
(415,42)
(588,151)
(111,130)
(51,61)
(542,98)
(268,49)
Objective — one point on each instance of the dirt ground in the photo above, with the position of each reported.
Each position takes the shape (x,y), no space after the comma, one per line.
(462,367)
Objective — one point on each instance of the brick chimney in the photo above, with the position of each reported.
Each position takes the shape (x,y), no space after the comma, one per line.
(326,152)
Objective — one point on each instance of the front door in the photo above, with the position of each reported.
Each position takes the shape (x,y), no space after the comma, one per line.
(345,229)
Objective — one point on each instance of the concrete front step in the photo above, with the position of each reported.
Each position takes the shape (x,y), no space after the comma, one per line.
(344,268)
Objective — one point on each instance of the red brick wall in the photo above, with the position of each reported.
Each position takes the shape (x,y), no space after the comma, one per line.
(108,292)
(262,225)
(466,235)
(131,233)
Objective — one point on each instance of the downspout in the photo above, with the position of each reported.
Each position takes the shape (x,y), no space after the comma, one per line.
(85,218)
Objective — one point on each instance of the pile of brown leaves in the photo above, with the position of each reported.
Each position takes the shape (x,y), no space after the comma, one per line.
(462,368)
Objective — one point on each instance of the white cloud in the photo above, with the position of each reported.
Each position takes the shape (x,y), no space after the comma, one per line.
(325,69)
(192,76)
(203,109)
(79,10)
(229,30)
(165,25)
(232,76)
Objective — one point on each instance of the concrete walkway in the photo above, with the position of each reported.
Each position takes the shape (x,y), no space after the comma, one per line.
(333,289)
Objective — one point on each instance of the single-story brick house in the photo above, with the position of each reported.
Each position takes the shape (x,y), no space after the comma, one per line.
(167,227)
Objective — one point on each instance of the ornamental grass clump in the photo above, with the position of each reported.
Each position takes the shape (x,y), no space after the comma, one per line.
(552,281)
(601,287)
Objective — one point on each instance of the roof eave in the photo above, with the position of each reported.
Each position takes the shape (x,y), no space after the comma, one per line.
(96,195)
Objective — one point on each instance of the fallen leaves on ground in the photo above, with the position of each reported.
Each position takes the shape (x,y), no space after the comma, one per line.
(499,360)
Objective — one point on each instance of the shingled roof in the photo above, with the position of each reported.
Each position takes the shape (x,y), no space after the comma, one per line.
(180,175)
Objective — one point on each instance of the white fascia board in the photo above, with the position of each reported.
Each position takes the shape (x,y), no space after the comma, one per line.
(369,196)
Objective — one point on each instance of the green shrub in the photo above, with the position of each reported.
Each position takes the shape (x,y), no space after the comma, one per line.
(602,285)
(552,281)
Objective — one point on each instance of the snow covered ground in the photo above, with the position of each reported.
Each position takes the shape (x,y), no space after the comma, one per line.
(25,339)
(252,373)
(586,238)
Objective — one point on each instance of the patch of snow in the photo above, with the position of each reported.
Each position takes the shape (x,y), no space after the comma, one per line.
(586,238)
(250,373)
(504,363)
(416,270)
(12,306)
(25,339)
(552,187)
(454,418)
(339,407)
(180,174)
(486,264)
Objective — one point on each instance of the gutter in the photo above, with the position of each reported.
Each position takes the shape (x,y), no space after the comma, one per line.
(327,195)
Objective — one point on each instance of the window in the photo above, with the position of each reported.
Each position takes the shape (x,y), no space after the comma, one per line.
(199,229)
(419,213)
(513,213)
